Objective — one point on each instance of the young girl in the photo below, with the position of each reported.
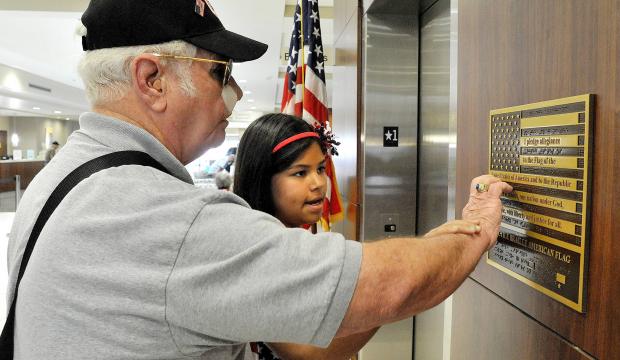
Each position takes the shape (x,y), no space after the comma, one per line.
(280,170)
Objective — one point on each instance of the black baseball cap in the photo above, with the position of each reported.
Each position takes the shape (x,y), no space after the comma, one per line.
(116,23)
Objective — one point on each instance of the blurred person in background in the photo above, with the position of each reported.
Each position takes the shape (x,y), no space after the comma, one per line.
(224,163)
(223,180)
(51,152)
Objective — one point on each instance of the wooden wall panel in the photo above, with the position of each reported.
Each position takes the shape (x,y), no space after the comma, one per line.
(500,334)
(27,170)
(514,52)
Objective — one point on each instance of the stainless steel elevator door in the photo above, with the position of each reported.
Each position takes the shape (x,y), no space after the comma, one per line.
(434,137)
(390,98)
(390,101)
(431,329)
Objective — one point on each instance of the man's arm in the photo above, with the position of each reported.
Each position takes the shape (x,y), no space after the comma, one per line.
(402,277)
(339,349)
(344,348)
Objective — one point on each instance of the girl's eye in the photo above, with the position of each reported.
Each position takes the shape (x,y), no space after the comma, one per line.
(321,169)
(300,173)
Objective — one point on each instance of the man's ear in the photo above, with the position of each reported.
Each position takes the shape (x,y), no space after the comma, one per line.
(149,81)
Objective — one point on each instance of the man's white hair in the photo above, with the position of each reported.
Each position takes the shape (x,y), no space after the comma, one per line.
(106,73)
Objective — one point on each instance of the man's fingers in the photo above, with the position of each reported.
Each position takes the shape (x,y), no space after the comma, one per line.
(468,227)
(483,179)
(498,188)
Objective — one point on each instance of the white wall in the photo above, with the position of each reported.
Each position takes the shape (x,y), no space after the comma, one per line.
(391,342)
(32,130)
(4,122)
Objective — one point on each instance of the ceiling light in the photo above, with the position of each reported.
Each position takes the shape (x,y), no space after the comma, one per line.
(250,100)
(67,118)
(57,112)
(253,108)
(36,108)
(15,103)
(11,81)
(15,139)
(242,81)
(247,92)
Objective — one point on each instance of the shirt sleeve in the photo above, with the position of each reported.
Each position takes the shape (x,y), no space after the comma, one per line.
(242,276)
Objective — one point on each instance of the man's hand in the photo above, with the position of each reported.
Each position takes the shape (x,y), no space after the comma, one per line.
(413,275)
(456,227)
(485,206)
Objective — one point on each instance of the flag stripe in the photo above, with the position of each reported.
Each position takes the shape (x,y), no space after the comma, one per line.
(316,110)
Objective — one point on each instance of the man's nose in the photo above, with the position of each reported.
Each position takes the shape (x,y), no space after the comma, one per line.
(236,87)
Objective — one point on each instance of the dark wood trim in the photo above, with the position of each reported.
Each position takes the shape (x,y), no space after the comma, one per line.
(26,170)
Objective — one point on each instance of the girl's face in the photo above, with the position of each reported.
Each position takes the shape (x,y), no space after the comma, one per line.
(299,191)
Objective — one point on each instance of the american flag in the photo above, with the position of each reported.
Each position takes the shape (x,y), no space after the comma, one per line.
(305,95)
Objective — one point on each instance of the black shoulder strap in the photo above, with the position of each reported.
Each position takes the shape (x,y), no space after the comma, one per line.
(104,162)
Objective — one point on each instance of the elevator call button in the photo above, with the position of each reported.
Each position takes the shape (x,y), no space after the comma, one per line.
(390,228)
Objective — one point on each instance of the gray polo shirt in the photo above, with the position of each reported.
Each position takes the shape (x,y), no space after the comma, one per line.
(139,264)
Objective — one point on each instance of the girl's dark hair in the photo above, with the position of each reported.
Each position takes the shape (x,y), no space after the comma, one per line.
(256,165)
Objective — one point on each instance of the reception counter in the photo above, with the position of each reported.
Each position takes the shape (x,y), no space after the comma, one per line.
(26,169)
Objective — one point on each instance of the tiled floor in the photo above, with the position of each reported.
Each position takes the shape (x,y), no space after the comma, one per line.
(6,219)
(7,201)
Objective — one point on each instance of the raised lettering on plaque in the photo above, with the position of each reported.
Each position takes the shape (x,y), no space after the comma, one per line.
(544,150)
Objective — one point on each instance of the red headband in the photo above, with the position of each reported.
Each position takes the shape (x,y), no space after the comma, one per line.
(293,138)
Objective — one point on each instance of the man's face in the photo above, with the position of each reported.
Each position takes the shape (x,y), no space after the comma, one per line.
(202,119)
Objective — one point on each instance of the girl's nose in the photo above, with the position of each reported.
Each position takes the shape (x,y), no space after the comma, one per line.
(318,181)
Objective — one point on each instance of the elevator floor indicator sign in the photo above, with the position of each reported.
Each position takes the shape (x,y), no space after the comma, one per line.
(390,136)
(544,150)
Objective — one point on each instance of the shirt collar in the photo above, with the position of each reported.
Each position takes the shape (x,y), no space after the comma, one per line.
(121,136)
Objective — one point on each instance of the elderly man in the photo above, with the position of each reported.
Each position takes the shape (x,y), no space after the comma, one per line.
(137,263)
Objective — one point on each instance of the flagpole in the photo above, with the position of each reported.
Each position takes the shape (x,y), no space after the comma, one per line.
(313,227)
(303,60)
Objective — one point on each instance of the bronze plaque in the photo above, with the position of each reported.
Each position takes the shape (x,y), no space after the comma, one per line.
(544,150)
